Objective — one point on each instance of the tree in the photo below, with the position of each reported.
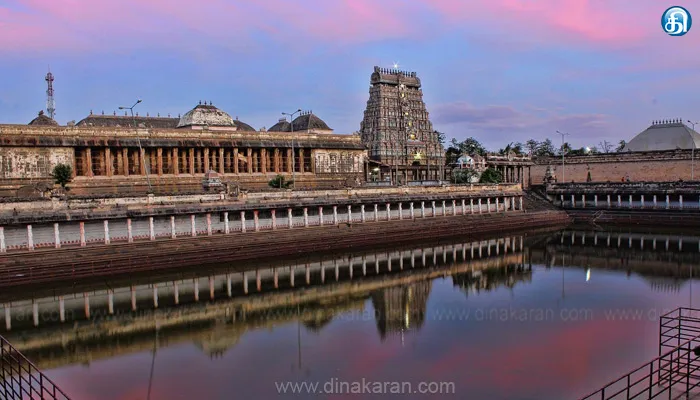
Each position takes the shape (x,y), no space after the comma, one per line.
(490,175)
(565,149)
(452,154)
(545,149)
(469,146)
(464,175)
(280,182)
(62,174)
(621,146)
(518,148)
(532,145)
(605,146)
(441,137)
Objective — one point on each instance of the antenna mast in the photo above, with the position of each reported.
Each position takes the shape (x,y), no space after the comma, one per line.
(50,104)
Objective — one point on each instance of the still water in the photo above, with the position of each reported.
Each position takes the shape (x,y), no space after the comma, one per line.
(550,316)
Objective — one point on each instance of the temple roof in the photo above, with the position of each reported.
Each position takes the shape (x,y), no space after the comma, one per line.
(206,115)
(281,126)
(116,121)
(665,135)
(43,119)
(308,121)
(242,126)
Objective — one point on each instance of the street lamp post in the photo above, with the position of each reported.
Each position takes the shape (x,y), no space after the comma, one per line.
(562,155)
(692,155)
(138,140)
(294,166)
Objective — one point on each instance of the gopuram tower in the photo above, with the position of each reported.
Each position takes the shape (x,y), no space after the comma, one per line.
(396,130)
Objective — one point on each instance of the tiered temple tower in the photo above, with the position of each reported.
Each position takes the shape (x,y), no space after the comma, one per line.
(396,128)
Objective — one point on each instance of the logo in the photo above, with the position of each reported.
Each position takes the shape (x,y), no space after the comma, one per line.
(676,21)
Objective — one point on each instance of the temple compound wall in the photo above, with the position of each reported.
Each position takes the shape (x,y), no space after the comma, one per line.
(110,160)
(652,166)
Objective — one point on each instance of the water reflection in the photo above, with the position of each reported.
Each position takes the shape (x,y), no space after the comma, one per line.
(319,310)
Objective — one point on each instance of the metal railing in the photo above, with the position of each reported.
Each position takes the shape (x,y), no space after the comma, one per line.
(20,379)
(674,374)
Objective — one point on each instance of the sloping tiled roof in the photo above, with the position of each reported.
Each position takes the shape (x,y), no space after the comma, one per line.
(43,119)
(281,126)
(115,121)
(242,126)
(665,135)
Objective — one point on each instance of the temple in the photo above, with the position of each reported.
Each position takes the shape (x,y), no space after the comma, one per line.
(125,154)
(399,136)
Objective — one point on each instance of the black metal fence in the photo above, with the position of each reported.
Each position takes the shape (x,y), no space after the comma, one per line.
(20,379)
(674,374)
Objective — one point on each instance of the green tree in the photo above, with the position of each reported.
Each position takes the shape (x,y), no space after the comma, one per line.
(280,182)
(469,146)
(545,149)
(621,146)
(463,175)
(441,137)
(452,154)
(490,175)
(532,145)
(62,174)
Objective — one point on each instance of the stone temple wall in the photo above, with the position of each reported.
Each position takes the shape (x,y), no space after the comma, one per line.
(32,162)
(614,167)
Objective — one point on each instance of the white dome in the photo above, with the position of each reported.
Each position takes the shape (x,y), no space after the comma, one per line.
(206,115)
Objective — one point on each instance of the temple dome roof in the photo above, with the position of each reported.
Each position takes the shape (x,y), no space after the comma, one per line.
(43,119)
(206,115)
(281,126)
(242,126)
(665,135)
(306,121)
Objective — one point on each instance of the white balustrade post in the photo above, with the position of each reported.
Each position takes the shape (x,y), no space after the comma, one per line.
(306,217)
(520,200)
(173,230)
(433,209)
(335,215)
(471,206)
(290,218)
(400,210)
(106,226)
(496,204)
(193,226)
(413,212)
(362,213)
(320,215)
(488,204)
(129,232)
(444,208)
(152,229)
(422,209)
(273,214)
(349,214)
(83,242)
(30,238)
(388,211)
(56,236)
(376,212)
(256,220)
(454,207)
(480,211)
(208,224)
(227,227)
(243,224)
(464,207)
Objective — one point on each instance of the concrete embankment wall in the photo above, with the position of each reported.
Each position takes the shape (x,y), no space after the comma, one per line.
(637,218)
(69,264)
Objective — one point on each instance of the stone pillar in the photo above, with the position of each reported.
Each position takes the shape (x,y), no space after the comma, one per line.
(630,201)
(595,200)
(471,206)
(454,207)
(291,276)
(208,217)
(480,206)
(206,160)
(668,202)
(320,215)
(193,226)
(609,202)
(256,221)
(444,208)
(520,200)
(496,203)
(243,221)
(129,231)
(306,217)
(464,207)
(221,161)
(175,161)
(30,238)
(290,218)
(173,231)
(245,283)
(227,228)
(388,211)
(412,211)
(561,199)
(376,212)
(400,211)
(151,229)
(619,201)
(422,209)
(573,201)
(488,205)
(56,236)
(349,214)
(433,209)
(335,215)
(106,226)
(583,201)
(274,219)
(3,245)
(680,201)
(82,234)
(362,213)
(654,201)
(642,201)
